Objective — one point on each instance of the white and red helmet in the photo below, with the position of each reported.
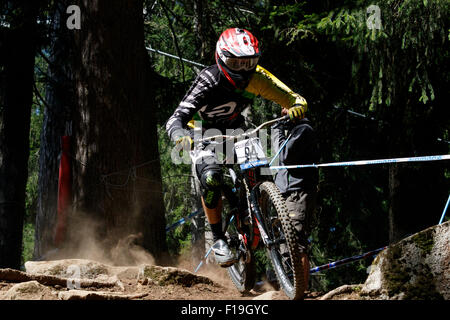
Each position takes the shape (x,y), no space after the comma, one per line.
(237,54)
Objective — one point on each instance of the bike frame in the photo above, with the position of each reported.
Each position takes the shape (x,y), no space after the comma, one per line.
(259,230)
(251,183)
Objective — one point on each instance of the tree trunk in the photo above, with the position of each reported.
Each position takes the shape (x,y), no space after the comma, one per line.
(117,181)
(17,48)
(57,119)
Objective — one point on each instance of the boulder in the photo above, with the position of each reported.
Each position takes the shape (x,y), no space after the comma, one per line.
(415,268)
(269,295)
(82,268)
(30,290)
(169,275)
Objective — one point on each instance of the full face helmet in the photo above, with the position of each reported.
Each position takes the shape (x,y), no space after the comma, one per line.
(237,54)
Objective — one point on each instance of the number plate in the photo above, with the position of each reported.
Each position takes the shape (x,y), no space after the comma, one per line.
(250,153)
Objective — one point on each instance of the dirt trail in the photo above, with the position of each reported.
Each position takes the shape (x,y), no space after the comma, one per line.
(57,280)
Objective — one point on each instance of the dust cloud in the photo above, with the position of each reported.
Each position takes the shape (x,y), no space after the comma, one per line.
(87,239)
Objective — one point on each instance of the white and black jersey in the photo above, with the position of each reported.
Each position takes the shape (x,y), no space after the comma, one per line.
(217,104)
(211,100)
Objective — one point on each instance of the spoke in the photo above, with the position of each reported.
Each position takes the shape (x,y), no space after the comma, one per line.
(286,263)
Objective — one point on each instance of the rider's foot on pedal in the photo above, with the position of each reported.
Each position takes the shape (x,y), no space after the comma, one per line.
(224,257)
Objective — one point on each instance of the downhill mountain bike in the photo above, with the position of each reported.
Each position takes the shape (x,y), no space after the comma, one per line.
(261,218)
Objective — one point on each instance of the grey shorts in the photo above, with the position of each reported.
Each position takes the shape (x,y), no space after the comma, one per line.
(301,205)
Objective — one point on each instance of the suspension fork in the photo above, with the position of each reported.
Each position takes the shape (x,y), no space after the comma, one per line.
(233,201)
(260,222)
(258,217)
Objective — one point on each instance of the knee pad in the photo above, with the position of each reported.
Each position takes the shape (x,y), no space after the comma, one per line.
(211,178)
(210,175)
(211,181)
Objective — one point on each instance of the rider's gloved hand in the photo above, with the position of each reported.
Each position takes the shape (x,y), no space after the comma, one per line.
(185,143)
(296,113)
(298,110)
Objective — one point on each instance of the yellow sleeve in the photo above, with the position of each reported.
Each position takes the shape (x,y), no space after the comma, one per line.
(266,85)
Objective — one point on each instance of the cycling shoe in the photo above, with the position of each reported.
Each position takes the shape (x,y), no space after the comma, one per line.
(223,255)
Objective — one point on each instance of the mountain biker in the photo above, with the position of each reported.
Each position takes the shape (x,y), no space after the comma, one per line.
(217,97)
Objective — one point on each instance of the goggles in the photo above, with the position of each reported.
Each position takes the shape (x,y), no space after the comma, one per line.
(239,64)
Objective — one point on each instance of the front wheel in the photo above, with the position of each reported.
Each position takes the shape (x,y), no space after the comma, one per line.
(290,265)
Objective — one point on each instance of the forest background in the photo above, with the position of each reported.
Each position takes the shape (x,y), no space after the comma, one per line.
(375,75)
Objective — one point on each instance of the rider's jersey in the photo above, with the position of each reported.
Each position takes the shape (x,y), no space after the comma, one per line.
(213,101)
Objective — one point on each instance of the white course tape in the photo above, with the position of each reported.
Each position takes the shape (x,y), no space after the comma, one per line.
(365,162)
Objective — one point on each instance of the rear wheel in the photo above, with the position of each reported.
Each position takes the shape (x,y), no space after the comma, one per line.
(290,265)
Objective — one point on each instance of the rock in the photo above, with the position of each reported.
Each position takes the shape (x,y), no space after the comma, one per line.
(97,295)
(417,267)
(30,290)
(269,295)
(345,292)
(66,268)
(169,275)
(84,269)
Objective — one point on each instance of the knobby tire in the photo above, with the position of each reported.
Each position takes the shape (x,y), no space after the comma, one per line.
(293,283)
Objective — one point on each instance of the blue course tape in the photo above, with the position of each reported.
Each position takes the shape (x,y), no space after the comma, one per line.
(183,220)
(445,210)
(365,162)
(204,258)
(346,260)
(281,148)
(207,253)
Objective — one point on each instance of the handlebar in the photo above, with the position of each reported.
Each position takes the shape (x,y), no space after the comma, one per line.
(245,134)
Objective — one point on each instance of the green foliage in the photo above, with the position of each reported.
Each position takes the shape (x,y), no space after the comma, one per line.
(177,190)
(410,42)
(28,242)
(31,196)
(33,162)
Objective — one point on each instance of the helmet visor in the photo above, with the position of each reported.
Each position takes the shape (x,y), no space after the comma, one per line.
(240,64)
